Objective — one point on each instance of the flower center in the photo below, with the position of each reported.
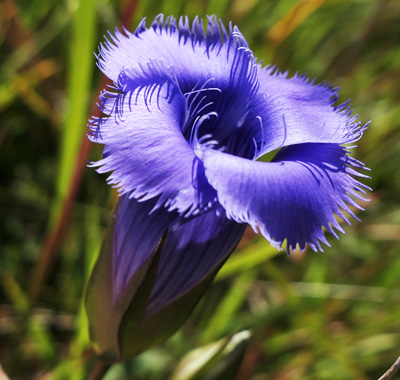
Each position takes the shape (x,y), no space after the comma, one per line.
(218,118)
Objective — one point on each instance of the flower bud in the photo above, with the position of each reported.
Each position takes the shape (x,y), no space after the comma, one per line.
(150,275)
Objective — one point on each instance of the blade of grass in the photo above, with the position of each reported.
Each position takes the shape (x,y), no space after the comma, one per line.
(32,43)
(63,206)
(229,306)
(247,258)
(292,19)
(94,234)
(78,94)
(81,66)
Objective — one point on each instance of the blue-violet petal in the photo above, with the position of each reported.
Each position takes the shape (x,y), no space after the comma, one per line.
(290,198)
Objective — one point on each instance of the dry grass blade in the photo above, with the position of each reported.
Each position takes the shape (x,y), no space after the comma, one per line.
(391,371)
(3,376)
(288,23)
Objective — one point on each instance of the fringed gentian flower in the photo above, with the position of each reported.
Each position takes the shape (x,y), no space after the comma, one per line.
(189,115)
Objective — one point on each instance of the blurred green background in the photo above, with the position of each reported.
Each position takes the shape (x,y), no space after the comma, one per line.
(332,315)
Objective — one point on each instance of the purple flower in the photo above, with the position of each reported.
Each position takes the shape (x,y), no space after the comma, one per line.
(187,118)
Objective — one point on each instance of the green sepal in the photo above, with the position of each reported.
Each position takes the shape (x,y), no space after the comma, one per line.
(104,315)
(138,335)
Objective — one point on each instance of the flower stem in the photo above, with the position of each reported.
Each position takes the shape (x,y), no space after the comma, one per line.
(391,371)
(99,370)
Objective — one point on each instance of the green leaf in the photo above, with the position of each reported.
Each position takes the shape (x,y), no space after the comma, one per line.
(105,316)
(215,361)
(247,258)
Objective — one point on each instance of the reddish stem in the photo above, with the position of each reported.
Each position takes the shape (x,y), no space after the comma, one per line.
(99,370)
(54,239)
